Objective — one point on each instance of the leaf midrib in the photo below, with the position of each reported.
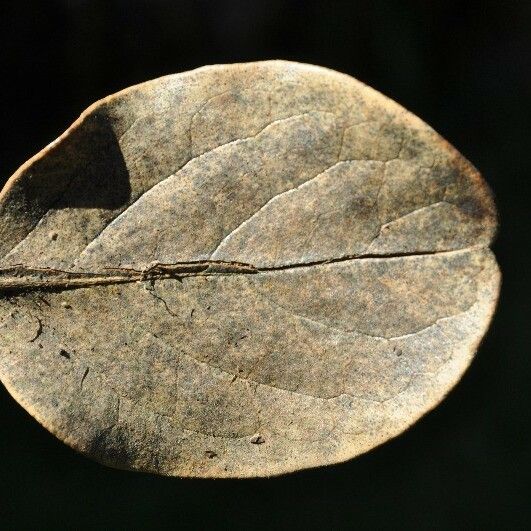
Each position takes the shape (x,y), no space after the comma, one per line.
(19,278)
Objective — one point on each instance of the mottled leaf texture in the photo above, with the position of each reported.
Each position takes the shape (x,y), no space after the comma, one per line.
(243,270)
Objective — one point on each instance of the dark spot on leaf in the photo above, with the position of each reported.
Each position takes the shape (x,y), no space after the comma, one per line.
(111,446)
(38,331)
(84,376)
(44,300)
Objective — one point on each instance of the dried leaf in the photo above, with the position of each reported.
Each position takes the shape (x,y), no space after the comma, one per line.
(243,270)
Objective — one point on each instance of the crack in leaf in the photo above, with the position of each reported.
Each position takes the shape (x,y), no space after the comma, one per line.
(152,291)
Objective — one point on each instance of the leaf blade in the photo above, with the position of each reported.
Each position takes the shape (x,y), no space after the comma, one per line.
(285,287)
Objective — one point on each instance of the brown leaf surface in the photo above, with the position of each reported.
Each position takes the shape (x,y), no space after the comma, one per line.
(243,270)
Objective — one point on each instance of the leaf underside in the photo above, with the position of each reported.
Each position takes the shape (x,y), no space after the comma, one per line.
(243,270)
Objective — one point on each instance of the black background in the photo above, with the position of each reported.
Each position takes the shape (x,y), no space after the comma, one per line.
(462,66)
